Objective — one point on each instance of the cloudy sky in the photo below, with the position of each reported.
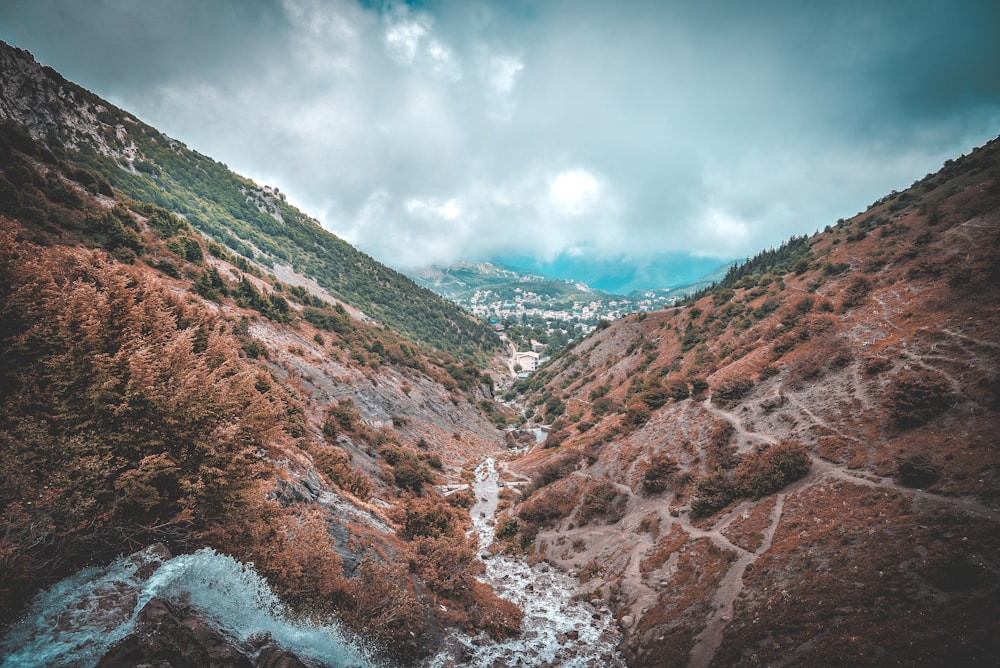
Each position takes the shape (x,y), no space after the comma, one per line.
(463,130)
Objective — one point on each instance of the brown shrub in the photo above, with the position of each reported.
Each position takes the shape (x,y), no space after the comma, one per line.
(728,391)
(553,503)
(855,289)
(497,616)
(766,470)
(335,464)
(429,517)
(602,500)
(446,564)
(380,602)
(655,473)
(719,448)
(915,396)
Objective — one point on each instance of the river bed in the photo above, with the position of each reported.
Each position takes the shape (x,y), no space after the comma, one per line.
(556,630)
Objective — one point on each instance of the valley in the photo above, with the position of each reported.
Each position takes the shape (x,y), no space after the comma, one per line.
(226,432)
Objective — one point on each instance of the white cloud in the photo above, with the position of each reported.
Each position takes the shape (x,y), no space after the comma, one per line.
(410,41)
(574,192)
(504,72)
(465,130)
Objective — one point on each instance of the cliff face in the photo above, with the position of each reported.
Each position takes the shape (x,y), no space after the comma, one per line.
(798,467)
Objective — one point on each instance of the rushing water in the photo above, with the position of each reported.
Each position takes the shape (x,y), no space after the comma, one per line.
(77,620)
(556,629)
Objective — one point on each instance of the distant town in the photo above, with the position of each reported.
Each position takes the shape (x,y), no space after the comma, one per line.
(536,325)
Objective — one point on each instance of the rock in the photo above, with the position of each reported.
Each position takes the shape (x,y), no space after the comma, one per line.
(272,656)
(165,633)
(168,634)
(626,621)
(573,635)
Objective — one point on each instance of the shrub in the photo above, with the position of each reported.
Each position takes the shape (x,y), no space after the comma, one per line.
(656,473)
(711,495)
(854,291)
(729,391)
(545,506)
(429,518)
(917,471)
(506,528)
(678,390)
(915,396)
(335,463)
(766,470)
(446,564)
(499,617)
(602,500)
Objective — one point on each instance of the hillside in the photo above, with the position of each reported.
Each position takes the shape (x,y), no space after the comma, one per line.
(159,389)
(799,466)
(119,151)
(531,307)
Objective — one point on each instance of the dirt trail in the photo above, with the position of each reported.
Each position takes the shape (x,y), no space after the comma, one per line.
(741,431)
(824,469)
(708,641)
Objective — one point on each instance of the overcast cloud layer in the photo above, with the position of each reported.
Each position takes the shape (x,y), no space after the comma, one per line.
(444,131)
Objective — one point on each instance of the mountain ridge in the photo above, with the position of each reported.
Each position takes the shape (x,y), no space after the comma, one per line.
(253,221)
(797,466)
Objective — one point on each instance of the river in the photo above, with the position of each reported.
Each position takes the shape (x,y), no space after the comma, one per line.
(557,630)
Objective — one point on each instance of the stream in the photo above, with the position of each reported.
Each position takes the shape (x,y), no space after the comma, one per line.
(75,622)
(556,630)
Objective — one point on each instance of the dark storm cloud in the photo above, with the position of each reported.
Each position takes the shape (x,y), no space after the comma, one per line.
(464,130)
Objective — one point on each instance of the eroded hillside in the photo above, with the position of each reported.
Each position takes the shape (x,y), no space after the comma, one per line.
(159,388)
(799,466)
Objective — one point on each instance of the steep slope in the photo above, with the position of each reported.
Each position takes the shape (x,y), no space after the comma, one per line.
(798,467)
(255,222)
(156,387)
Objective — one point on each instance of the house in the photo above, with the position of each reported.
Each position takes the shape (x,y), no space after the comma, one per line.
(528,361)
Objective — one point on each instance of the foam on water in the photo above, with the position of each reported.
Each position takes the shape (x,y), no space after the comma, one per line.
(75,622)
(546,597)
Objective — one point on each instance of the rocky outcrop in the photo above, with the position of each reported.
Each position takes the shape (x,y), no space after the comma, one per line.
(171,635)
(45,104)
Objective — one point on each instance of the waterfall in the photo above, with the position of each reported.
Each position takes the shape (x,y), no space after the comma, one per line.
(74,622)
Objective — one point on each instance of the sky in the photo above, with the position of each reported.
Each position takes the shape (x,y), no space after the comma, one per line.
(631,133)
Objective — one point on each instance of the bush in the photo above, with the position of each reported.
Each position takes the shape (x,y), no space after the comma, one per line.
(545,506)
(767,470)
(711,495)
(602,500)
(428,518)
(854,292)
(506,528)
(915,396)
(656,473)
(446,564)
(729,391)
(917,471)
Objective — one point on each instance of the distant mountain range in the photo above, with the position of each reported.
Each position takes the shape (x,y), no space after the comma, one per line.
(623,275)
(461,280)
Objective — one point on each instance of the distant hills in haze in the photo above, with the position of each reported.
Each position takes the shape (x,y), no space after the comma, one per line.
(623,275)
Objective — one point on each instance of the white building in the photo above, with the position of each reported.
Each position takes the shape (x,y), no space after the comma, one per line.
(528,361)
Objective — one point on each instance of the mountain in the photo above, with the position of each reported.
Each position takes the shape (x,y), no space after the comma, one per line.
(532,307)
(798,466)
(255,222)
(291,447)
(189,366)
